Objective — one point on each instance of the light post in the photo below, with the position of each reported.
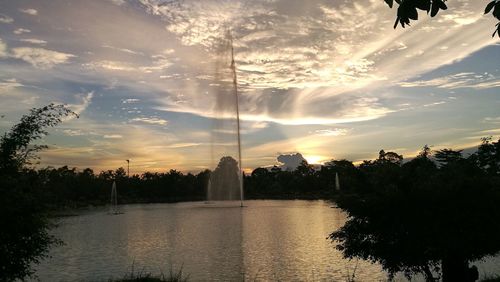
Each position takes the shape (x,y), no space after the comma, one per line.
(128,168)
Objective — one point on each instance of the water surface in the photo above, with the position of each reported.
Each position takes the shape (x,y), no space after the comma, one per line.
(266,240)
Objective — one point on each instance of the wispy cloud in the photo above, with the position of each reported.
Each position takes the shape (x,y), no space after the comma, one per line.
(130,100)
(459,80)
(150,120)
(125,50)
(6,19)
(331,132)
(30,11)
(7,85)
(112,136)
(34,41)
(85,99)
(39,57)
(21,31)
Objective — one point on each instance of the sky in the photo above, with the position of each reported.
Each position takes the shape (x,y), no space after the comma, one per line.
(325,78)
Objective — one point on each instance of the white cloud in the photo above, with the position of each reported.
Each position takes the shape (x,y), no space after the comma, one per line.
(34,41)
(110,65)
(150,120)
(118,2)
(130,101)
(6,19)
(85,99)
(112,136)
(125,50)
(492,119)
(8,84)
(39,57)
(183,145)
(21,31)
(73,132)
(331,132)
(459,80)
(31,12)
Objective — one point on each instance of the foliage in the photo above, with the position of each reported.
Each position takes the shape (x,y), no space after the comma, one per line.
(418,218)
(408,10)
(142,276)
(24,237)
(16,148)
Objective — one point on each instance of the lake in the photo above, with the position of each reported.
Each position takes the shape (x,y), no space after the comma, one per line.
(265,240)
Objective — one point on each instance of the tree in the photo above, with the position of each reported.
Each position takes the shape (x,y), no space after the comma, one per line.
(407,10)
(432,220)
(225,182)
(448,156)
(16,148)
(24,237)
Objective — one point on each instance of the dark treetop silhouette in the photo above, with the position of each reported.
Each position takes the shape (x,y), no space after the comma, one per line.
(407,10)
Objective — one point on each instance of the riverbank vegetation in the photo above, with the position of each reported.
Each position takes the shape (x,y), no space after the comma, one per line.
(432,214)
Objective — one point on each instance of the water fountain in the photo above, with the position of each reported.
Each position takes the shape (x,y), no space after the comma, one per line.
(226,179)
(114,200)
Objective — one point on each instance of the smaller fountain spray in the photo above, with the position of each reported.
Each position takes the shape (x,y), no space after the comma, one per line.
(114,199)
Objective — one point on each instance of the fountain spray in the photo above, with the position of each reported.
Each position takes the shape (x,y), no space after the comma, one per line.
(235,91)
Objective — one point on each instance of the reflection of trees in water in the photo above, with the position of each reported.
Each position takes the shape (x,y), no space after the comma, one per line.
(224,180)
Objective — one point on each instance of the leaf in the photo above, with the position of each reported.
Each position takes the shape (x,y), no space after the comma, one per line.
(413,14)
(389,2)
(442,5)
(434,9)
(489,6)
(396,23)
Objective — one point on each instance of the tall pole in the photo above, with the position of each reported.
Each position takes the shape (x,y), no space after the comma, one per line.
(235,84)
(128,168)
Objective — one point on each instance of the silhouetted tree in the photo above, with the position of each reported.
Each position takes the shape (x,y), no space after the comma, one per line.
(225,183)
(422,218)
(24,238)
(407,10)
(448,156)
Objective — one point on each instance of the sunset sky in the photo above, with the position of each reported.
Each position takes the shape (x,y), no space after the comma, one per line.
(326,78)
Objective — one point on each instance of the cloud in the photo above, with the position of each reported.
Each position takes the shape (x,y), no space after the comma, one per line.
(85,100)
(331,132)
(130,101)
(112,136)
(150,120)
(183,145)
(459,80)
(31,12)
(6,19)
(7,85)
(39,57)
(125,50)
(21,31)
(34,41)
(290,161)
(118,2)
(110,65)
(492,120)
(73,132)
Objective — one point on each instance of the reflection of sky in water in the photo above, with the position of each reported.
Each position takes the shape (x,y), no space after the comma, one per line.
(267,240)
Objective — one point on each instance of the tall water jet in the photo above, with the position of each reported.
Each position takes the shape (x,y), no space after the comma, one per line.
(226,180)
